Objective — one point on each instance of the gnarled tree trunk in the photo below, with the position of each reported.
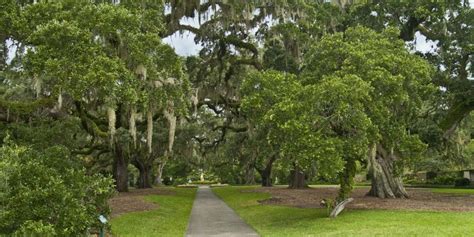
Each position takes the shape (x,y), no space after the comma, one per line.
(170,116)
(266,173)
(385,183)
(297,179)
(144,174)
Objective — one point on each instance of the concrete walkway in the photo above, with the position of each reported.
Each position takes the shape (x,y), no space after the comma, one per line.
(210,216)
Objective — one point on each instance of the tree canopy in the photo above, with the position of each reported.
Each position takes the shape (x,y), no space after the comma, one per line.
(287,91)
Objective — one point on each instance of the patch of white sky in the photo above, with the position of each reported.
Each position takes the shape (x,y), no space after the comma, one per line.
(185,46)
(183,42)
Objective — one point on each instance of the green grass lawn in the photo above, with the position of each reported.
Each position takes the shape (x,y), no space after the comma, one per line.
(170,219)
(288,221)
(453,190)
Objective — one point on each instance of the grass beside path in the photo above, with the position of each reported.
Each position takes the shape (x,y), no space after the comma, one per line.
(271,220)
(453,190)
(169,219)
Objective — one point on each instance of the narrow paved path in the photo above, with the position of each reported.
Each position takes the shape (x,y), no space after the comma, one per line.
(210,216)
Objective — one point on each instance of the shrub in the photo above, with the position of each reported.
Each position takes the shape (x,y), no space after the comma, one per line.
(49,192)
(167,181)
(462,182)
(446,178)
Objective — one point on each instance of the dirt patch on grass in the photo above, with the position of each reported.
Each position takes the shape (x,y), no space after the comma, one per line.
(134,201)
(420,199)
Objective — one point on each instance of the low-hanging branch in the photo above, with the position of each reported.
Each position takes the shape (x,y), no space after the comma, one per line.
(454,116)
(26,107)
(92,149)
(231,128)
(88,123)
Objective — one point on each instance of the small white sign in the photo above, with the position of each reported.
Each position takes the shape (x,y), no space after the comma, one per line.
(102,219)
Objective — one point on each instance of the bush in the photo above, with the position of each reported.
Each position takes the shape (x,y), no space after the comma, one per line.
(49,193)
(462,182)
(167,181)
(446,178)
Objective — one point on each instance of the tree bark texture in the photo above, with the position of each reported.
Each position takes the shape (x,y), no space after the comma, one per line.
(385,183)
(346,179)
(144,179)
(297,179)
(249,175)
(266,173)
(159,174)
(120,169)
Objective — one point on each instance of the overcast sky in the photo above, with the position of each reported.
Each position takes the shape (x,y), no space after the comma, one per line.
(185,46)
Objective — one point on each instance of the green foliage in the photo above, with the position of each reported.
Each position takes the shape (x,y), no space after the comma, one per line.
(46,133)
(446,178)
(49,192)
(398,82)
(36,228)
(329,204)
(369,90)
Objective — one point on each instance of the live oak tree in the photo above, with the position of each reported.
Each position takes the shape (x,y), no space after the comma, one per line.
(356,106)
(399,84)
(105,63)
(139,90)
(261,92)
(448,25)
(325,123)
(230,32)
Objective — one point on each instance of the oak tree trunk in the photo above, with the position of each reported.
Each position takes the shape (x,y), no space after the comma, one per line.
(346,180)
(120,170)
(249,176)
(266,173)
(266,178)
(297,179)
(385,182)
(144,174)
(159,175)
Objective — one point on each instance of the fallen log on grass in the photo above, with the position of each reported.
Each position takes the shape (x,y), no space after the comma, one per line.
(340,207)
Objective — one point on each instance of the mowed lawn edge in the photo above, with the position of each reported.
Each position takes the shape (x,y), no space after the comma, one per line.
(272,220)
(169,219)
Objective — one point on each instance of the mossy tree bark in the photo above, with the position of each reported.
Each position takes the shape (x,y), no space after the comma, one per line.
(346,180)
